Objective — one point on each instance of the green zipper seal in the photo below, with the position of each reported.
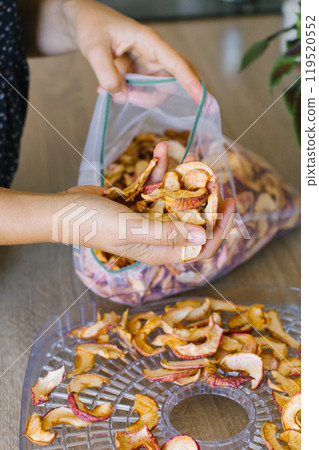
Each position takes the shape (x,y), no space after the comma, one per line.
(198,114)
(189,143)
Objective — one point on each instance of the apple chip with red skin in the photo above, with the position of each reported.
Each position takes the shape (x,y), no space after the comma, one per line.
(90,380)
(248,362)
(101,326)
(167,374)
(98,414)
(269,437)
(183,200)
(59,415)
(249,344)
(279,349)
(185,168)
(181,442)
(147,409)
(290,367)
(215,379)
(289,413)
(134,440)
(84,362)
(226,305)
(189,380)
(41,391)
(207,348)
(35,433)
(269,361)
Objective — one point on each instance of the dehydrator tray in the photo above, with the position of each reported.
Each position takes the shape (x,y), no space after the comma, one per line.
(52,348)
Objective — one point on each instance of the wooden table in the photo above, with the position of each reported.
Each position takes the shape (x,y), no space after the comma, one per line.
(36,281)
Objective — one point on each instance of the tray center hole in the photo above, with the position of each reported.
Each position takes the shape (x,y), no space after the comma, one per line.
(209,417)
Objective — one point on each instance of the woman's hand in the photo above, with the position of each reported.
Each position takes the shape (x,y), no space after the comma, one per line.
(112,43)
(123,232)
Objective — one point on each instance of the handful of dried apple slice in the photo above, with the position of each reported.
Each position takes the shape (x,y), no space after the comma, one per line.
(182,195)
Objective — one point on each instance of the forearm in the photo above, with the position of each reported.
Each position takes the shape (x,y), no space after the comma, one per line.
(25,218)
(45,26)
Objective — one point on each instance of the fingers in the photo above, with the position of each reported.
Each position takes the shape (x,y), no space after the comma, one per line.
(100,57)
(175,64)
(221,229)
(159,171)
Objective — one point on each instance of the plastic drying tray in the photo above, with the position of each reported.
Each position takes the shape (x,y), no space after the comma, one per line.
(52,348)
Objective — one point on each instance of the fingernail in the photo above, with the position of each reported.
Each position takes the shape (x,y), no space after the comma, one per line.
(197,237)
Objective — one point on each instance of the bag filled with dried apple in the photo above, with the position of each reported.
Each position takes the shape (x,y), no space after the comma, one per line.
(119,147)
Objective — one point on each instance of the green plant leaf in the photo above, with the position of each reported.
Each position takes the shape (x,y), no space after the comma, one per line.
(290,96)
(282,67)
(256,50)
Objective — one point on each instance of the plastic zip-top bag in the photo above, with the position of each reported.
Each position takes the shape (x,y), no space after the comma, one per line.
(120,143)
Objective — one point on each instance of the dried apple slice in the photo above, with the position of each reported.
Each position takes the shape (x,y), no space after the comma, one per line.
(181,442)
(135,323)
(256,317)
(154,195)
(171,182)
(151,324)
(174,317)
(269,436)
(134,440)
(35,433)
(269,361)
(152,187)
(211,209)
(195,179)
(226,305)
(168,339)
(106,351)
(98,414)
(84,362)
(276,330)
(274,386)
(215,379)
(189,380)
(183,169)
(182,365)
(289,367)
(238,320)
(142,346)
(248,362)
(147,409)
(279,349)
(101,326)
(184,200)
(89,380)
(41,391)
(280,400)
(103,339)
(289,412)
(207,348)
(130,192)
(59,415)
(292,438)
(190,252)
(289,385)
(200,312)
(167,374)
(192,303)
(230,345)
(125,336)
(249,344)
(190,216)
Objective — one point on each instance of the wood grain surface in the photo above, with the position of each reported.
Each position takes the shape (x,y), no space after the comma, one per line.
(36,281)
